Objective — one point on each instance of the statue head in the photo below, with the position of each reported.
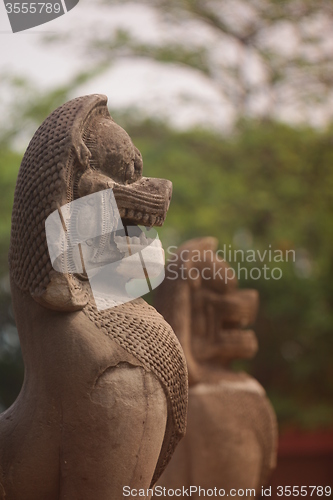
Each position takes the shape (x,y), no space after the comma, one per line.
(77,152)
(201,300)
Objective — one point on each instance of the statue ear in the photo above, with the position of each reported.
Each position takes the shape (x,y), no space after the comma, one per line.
(82,153)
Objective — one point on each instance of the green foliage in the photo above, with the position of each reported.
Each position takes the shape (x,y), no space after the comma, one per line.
(11,367)
(9,165)
(122,44)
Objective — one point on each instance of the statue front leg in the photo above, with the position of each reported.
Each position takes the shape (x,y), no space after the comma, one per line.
(119,434)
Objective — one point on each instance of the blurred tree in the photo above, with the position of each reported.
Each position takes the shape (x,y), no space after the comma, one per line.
(11,367)
(9,165)
(29,106)
(266,57)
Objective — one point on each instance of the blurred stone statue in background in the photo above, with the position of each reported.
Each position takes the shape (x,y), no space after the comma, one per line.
(231,431)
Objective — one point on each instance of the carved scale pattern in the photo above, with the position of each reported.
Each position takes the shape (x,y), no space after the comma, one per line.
(143,332)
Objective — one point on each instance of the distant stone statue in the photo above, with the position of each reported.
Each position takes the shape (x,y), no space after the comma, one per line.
(104,399)
(231,434)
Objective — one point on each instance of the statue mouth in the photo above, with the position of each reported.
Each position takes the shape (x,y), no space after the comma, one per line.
(145,202)
(138,205)
(229,344)
(127,257)
(141,205)
(228,318)
(129,265)
(135,240)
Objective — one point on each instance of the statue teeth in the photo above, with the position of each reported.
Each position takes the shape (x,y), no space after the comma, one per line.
(146,219)
(123,242)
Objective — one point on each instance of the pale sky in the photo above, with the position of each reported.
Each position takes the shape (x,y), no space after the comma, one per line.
(182,96)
